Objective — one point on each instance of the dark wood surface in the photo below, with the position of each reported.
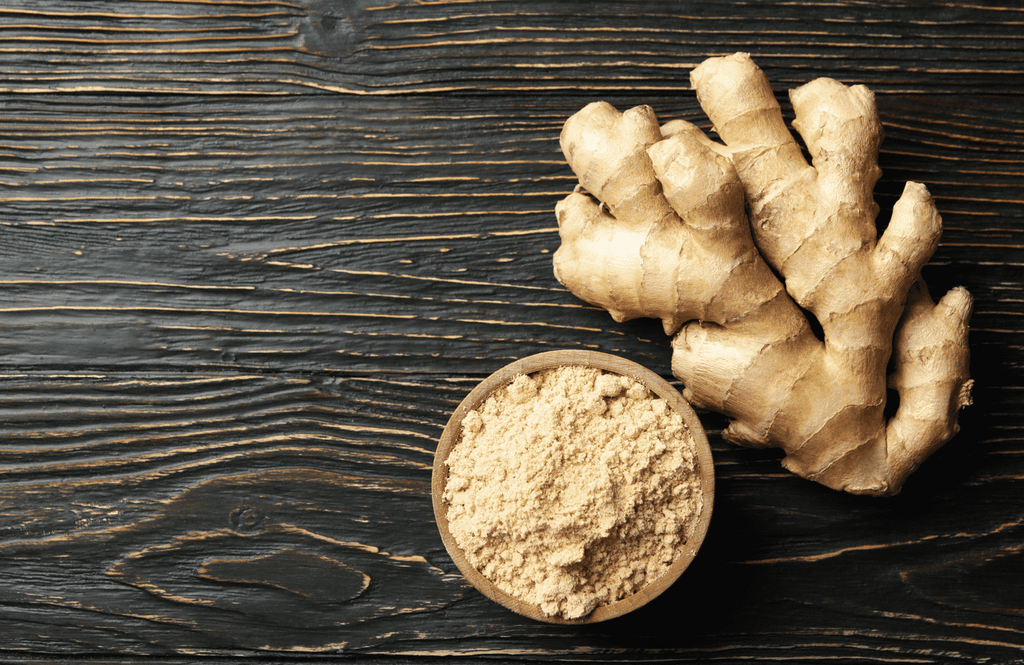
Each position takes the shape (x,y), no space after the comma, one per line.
(254,253)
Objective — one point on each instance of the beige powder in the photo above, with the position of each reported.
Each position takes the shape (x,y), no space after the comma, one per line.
(572,488)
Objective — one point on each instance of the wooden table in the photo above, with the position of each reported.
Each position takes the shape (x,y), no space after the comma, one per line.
(255,252)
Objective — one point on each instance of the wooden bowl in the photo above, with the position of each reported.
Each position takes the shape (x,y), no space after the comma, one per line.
(453,433)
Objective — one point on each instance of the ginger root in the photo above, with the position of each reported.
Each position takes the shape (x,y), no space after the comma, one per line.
(734,245)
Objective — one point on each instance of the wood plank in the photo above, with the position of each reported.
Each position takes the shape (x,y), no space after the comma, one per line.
(317,235)
(192,515)
(367,47)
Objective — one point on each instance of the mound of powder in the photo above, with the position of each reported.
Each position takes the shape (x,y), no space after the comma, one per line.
(572,488)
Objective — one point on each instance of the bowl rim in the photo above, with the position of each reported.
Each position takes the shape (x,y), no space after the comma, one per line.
(548,360)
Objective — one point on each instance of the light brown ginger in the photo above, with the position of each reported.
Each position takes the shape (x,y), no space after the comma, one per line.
(573,488)
(734,245)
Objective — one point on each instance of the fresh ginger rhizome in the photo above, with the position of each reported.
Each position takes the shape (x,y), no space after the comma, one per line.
(669,236)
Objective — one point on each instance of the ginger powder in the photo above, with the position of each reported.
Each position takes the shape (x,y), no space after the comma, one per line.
(572,488)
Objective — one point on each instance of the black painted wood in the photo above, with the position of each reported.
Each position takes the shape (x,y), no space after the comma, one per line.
(253,254)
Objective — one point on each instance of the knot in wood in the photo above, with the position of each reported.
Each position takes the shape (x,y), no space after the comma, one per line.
(247,519)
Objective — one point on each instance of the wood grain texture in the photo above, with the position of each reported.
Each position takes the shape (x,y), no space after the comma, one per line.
(253,254)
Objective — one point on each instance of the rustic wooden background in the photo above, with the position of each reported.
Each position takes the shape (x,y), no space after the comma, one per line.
(254,252)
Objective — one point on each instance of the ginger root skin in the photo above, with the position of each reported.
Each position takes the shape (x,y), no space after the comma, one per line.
(733,245)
